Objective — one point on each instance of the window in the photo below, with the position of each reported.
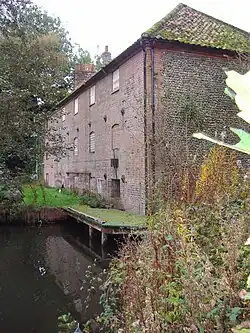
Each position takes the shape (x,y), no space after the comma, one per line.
(92,142)
(92,96)
(99,185)
(46,156)
(114,163)
(115,136)
(76,146)
(76,105)
(76,182)
(63,114)
(116,80)
(115,188)
(47,179)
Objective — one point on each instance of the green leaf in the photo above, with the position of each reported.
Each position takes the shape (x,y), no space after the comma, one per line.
(242,146)
(247,296)
(234,313)
(244,143)
(240,329)
(169,237)
(240,84)
(248,282)
(229,92)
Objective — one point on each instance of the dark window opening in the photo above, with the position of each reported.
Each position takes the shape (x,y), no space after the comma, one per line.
(114,163)
(115,188)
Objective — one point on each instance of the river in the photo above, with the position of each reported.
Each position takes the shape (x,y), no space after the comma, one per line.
(43,274)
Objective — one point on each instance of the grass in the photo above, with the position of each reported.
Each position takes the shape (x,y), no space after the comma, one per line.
(52,197)
(111,217)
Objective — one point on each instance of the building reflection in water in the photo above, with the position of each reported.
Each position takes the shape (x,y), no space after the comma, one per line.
(71,269)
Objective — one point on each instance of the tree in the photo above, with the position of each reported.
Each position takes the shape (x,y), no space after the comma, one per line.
(98,62)
(35,62)
(82,56)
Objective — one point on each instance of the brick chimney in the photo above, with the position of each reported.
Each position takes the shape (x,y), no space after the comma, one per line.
(106,56)
(83,73)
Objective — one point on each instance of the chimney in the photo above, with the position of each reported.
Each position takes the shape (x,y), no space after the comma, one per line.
(83,73)
(106,56)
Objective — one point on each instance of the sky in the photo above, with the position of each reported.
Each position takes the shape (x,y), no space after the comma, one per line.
(120,23)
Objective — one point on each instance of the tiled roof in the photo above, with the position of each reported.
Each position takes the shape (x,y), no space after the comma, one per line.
(189,26)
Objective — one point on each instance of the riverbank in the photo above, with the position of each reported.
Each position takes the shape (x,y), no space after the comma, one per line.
(49,205)
(29,215)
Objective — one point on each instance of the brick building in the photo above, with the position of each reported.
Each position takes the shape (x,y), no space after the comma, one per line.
(133,120)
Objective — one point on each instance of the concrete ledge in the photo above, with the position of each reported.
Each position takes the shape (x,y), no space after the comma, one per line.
(103,226)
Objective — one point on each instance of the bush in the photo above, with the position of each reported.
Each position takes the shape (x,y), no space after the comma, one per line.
(187,272)
(93,200)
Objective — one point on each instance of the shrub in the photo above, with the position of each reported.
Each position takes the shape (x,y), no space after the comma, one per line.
(187,272)
(93,200)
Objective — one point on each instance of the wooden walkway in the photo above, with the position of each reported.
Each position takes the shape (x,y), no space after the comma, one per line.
(103,226)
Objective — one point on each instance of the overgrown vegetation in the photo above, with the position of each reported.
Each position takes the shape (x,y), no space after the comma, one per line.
(187,274)
(36,71)
(40,196)
(93,200)
(36,58)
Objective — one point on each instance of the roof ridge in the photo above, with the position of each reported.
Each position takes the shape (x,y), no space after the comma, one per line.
(180,6)
(215,19)
(173,12)
(176,25)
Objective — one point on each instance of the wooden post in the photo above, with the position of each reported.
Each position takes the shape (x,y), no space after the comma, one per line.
(90,236)
(104,238)
(103,253)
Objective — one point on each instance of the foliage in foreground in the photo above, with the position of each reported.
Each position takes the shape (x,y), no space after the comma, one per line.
(188,274)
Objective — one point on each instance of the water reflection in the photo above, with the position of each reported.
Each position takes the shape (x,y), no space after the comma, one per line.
(69,266)
(44,273)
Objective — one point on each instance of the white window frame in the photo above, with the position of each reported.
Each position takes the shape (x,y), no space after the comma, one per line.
(63,114)
(92,95)
(99,185)
(115,80)
(92,142)
(76,146)
(76,105)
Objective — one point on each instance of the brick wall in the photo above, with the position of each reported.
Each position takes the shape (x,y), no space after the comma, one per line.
(189,97)
(192,99)
(124,109)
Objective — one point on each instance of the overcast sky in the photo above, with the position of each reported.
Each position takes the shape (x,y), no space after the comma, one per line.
(119,23)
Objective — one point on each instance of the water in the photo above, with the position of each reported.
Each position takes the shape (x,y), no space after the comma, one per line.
(42,275)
